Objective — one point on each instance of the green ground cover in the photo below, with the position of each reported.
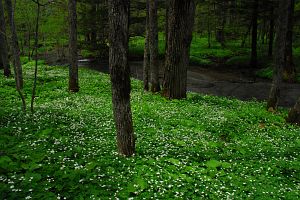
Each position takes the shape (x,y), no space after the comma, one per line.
(201,147)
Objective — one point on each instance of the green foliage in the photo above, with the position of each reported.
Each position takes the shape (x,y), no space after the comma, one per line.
(203,147)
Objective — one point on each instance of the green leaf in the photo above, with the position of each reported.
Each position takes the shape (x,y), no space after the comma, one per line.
(213,164)
(174,161)
(5,162)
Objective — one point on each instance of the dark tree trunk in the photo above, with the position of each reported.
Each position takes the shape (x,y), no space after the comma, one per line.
(36,43)
(253,61)
(294,114)
(166,26)
(73,68)
(3,44)
(146,65)
(289,73)
(120,75)
(280,50)
(16,53)
(153,46)
(271,32)
(181,21)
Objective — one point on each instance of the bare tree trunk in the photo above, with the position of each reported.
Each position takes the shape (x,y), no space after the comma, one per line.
(181,21)
(253,61)
(36,43)
(3,43)
(146,66)
(153,46)
(289,72)
(120,75)
(16,53)
(73,68)
(271,32)
(280,50)
(294,114)
(166,26)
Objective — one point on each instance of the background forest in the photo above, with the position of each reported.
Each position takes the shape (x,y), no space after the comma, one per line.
(149,99)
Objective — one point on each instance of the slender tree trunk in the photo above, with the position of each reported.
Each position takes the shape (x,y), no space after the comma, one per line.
(146,66)
(153,46)
(271,32)
(294,114)
(73,69)
(3,43)
(36,43)
(120,75)
(253,61)
(279,58)
(181,21)
(289,73)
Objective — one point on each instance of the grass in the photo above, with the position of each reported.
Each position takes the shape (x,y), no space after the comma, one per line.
(204,147)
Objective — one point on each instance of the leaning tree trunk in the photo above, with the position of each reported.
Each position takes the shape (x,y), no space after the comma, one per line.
(294,114)
(289,72)
(3,43)
(181,20)
(253,61)
(153,46)
(73,68)
(279,58)
(146,65)
(120,75)
(15,46)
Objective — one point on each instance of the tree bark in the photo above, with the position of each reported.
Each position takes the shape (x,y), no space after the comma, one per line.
(153,46)
(146,65)
(253,61)
(181,21)
(294,114)
(280,50)
(120,75)
(73,68)
(289,72)
(271,32)
(3,44)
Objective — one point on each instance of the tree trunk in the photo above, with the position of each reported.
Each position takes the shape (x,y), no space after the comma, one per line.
(16,53)
(166,26)
(120,75)
(153,46)
(289,72)
(3,44)
(294,114)
(279,58)
(181,21)
(146,65)
(36,44)
(271,32)
(73,68)
(253,61)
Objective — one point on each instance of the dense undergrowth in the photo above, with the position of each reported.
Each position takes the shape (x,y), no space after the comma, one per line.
(202,147)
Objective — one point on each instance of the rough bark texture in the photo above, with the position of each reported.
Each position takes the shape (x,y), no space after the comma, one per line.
(279,58)
(289,72)
(294,114)
(120,75)
(73,68)
(271,32)
(153,46)
(3,44)
(15,46)
(253,61)
(146,65)
(181,20)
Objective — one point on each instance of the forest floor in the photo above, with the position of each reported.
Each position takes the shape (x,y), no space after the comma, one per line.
(202,147)
(241,83)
